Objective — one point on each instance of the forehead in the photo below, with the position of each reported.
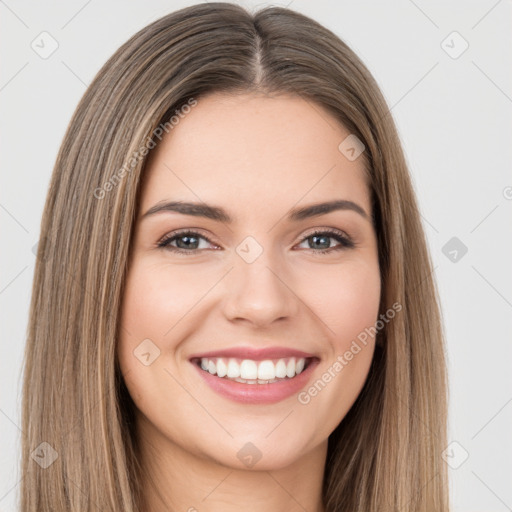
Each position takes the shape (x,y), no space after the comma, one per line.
(250,152)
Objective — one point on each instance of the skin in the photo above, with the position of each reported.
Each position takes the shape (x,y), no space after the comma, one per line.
(257,157)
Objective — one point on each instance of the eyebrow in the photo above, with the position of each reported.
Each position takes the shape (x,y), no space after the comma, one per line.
(219,214)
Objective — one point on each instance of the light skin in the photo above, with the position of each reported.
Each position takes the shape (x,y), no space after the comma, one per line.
(257,157)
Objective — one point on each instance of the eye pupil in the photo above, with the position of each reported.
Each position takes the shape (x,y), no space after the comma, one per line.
(187,244)
(322,237)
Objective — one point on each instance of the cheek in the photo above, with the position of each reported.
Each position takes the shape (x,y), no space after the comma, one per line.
(348,301)
(149,310)
(154,304)
(349,306)
(156,300)
(158,309)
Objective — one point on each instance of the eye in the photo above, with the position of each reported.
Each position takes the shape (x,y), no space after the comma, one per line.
(320,240)
(187,242)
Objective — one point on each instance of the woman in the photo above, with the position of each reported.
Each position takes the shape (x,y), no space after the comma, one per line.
(233,305)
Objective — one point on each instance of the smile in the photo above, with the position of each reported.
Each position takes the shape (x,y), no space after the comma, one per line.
(249,371)
(255,381)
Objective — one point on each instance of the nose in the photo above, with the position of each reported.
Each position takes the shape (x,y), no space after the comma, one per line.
(259,294)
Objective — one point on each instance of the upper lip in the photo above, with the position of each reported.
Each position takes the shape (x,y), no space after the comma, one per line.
(256,354)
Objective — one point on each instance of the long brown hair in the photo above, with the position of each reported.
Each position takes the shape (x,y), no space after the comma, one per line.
(386,453)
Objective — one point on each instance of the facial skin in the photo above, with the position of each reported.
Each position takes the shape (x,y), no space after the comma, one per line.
(257,157)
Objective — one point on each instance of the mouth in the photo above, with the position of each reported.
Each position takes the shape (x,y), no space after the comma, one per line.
(258,380)
(250,371)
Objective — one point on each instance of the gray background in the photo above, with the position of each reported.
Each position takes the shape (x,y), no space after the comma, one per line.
(453,111)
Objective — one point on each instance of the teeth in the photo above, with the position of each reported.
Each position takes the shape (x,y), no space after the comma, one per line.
(233,368)
(281,369)
(290,368)
(222,368)
(248,369)
(266,370)
(253,372)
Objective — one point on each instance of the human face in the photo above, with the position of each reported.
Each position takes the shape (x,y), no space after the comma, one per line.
(257,282)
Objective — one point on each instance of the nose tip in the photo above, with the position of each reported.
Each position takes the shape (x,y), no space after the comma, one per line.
(260,295)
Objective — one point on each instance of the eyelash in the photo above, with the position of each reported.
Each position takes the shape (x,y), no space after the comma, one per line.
(345,241)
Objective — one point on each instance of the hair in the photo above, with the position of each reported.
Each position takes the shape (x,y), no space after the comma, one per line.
(385,455)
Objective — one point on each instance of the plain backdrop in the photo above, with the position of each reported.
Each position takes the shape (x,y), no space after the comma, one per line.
(445,70)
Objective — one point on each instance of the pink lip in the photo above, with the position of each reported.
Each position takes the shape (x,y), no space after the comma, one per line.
(258,393)
(255,354)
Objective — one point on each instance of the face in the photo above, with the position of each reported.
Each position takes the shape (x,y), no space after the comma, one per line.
(241,314)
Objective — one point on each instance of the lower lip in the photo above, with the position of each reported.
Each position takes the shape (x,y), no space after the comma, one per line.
(258,393)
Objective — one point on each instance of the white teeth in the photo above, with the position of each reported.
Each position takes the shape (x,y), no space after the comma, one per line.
(253,372)
(281,369)
(248,369)
(233,369)
(266,370)
(222,369)
(290,368)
